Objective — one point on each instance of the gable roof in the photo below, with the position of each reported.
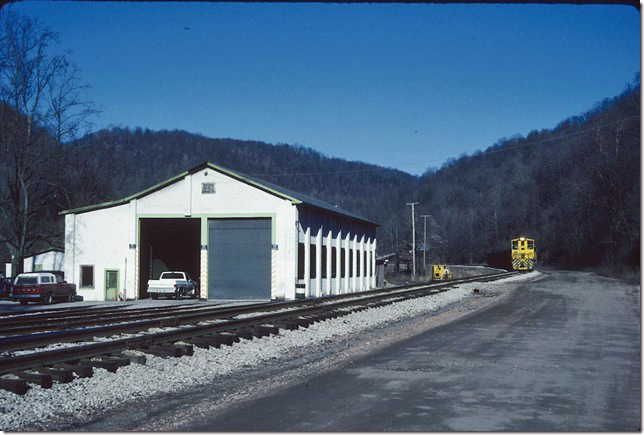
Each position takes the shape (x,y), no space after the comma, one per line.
(295,198)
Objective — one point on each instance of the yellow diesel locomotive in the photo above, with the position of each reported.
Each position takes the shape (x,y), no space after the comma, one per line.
(524,254)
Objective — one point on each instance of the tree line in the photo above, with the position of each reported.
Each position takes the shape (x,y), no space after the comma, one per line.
(575,188)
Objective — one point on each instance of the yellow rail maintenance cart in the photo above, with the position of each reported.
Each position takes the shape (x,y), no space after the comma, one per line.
(440,272)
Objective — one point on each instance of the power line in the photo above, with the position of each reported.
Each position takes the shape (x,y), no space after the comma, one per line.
(484,153)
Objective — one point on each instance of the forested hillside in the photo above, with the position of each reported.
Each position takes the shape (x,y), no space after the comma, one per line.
(575,189)
(140,158)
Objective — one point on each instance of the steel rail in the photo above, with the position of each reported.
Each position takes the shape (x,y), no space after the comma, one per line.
(53,314)
(94,312)
(98,319)
(22,342)
(30,360)
(6,315)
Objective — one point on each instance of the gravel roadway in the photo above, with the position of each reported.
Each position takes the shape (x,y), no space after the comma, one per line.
(560,352)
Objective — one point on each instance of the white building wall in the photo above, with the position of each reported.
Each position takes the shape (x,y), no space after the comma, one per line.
(108,238)
(99,239)
(232,199)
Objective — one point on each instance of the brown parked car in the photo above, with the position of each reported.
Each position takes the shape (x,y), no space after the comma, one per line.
(43,287)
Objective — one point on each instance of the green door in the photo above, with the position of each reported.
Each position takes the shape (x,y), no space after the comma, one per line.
(111,285)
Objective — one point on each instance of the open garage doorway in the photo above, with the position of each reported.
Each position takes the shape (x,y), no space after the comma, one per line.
(168,244)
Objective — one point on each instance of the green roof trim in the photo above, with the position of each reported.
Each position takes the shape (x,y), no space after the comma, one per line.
(127,199)
(246,180)
(281,192)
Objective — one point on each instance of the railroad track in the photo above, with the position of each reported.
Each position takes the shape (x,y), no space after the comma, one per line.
(185,327)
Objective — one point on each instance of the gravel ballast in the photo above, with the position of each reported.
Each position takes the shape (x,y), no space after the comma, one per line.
(84,399)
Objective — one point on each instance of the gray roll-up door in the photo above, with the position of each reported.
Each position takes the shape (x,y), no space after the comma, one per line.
(239,259)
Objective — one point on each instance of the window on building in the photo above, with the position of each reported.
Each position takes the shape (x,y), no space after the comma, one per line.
(358,263)
(207,187)
(300,260)
(312,263)
(366,260)
(334,269)
(324,261)
(87,276)
(343,256)
(351,262)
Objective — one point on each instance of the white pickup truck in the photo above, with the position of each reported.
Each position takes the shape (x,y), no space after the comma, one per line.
(173,284)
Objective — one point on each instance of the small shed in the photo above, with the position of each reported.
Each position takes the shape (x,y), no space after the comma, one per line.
(240,237)
(50,259)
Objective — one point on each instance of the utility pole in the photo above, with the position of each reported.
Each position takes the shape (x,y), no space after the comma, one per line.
(425,216)
(413,237)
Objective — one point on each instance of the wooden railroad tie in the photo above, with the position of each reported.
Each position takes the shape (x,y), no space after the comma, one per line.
(17,386)
(244,333)
(286,324)
(228,338)
(82,371)
(108,363)
(264,331)
(45,381)
(186,349)
(134,359)
(205,342)
(169,350)
(64,375)
(304,322)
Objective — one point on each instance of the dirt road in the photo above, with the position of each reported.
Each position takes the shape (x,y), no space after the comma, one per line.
(562,353)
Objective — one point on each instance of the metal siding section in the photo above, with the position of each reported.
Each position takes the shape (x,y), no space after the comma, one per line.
(239,259)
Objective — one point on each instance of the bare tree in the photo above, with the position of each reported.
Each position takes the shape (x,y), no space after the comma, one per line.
(41,107)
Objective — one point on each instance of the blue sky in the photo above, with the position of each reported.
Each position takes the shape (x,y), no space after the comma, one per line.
(399,85)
